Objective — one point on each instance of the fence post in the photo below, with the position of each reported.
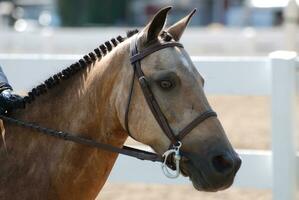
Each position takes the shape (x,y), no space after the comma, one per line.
(283,104)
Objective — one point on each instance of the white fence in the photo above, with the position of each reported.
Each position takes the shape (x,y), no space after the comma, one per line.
(198,41)
(275,75)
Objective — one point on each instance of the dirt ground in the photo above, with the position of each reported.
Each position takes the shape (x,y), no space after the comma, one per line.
(246,120)
(180,192)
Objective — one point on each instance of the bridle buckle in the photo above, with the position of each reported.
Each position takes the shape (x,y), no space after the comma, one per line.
(143,81)
(177,157)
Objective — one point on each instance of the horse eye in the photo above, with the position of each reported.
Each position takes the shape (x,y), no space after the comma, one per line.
(166,84)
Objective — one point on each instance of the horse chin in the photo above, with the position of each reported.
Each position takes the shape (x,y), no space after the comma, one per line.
(197,180)
(200,180)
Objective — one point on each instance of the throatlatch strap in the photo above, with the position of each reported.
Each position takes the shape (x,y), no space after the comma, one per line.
(130,94)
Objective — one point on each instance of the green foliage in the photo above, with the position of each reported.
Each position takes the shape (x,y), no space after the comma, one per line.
(92,12)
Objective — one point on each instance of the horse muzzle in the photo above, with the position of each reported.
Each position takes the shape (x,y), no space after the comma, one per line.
(210,173)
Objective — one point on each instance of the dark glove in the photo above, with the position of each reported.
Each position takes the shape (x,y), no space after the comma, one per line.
(10,101)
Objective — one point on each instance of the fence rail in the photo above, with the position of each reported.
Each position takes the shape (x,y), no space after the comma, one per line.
(276,75)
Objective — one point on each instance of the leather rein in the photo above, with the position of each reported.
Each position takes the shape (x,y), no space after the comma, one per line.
(174,148)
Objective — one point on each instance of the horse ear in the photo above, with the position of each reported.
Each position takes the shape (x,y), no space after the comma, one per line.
(154,27)
(178,28)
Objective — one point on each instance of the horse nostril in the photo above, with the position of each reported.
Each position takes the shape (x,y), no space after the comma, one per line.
(223,164)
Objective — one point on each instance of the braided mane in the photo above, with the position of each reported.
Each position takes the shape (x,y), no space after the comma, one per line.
(76,67)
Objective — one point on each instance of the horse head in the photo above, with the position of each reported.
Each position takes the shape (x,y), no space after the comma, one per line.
(208,158)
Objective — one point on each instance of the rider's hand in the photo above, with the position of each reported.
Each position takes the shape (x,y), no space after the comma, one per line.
(10,101)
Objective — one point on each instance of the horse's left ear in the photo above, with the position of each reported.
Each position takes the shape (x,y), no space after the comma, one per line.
(154,27)
(178,28)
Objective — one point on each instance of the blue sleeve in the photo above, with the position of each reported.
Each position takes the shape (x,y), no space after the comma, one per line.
(3,81)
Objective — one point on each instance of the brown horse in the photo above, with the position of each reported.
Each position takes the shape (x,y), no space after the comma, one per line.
(90,98)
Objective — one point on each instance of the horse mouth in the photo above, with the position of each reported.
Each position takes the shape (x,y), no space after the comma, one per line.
(202,179)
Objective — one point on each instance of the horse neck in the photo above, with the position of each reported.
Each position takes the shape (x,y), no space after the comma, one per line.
(84,104)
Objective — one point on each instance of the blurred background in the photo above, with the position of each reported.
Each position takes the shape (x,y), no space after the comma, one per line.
(92,13)
(237,29)
(220,27)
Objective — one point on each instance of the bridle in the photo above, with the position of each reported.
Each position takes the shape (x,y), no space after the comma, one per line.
(176,140)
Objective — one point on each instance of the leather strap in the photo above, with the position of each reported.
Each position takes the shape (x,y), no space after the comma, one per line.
(72,137)
(203,116)
(153,105)
(130,94)
(147,92)
(135,59)
(151,49)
